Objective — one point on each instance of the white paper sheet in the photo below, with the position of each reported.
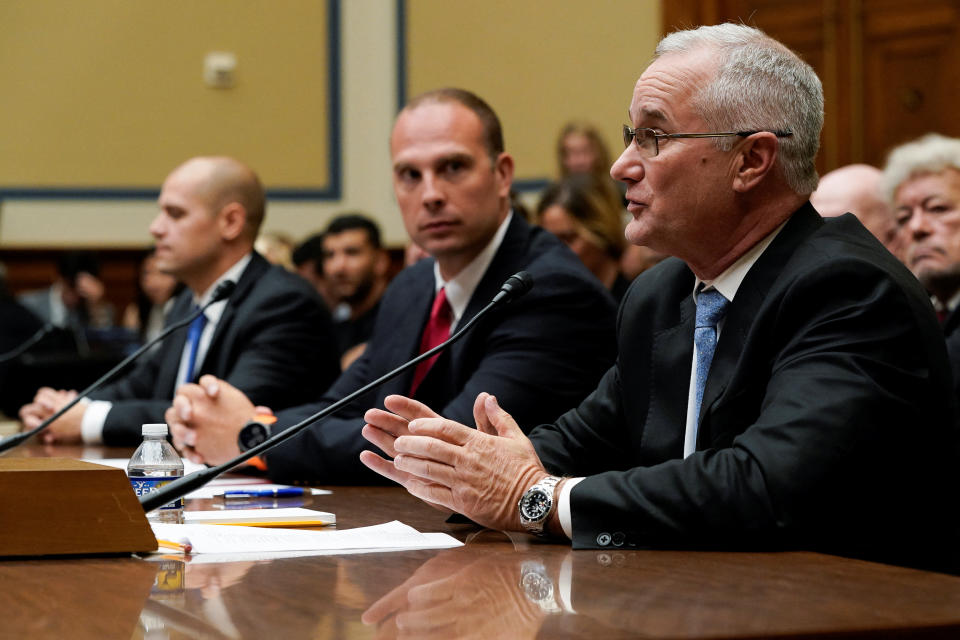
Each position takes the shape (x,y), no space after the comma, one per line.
(390,536)
(121,463)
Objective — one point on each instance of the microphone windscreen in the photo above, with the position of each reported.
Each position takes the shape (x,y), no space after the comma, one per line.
(518,284)
(514,287)
(223,290)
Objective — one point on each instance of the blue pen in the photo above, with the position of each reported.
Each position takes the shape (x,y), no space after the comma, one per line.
(285,492)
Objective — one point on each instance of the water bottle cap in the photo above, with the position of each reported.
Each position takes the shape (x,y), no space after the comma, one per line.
(154,430)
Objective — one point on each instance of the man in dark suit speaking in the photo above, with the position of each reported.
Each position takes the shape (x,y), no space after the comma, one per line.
(272,337)
(780,384)
(540,353)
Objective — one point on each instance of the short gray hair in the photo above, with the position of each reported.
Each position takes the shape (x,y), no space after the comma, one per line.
(931,153)
(760,84)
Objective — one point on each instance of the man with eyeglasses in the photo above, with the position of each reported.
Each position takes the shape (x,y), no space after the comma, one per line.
(780,383)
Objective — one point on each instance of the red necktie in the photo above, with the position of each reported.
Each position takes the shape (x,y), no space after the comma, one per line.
(436,331)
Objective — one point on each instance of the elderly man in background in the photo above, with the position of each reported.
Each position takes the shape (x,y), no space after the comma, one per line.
(272,337)
(780,383)
(856,189)
(922,181)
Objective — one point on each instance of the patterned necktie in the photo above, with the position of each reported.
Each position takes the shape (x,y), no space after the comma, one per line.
(193,339)
(711,307)
(436,331)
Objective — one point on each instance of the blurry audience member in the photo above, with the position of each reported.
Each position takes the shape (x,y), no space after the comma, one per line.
(355,269)
(413,254)
(636,259)
(308,263)
(856,188)
(276,247)
(271,337)
(17,325)
(585,214)
(580,149)
(155,293)
(922,181)
(76,300)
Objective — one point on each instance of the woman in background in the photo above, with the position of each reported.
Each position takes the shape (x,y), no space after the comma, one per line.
(584,212)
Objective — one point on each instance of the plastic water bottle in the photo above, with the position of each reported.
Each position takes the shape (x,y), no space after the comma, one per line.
(154,464)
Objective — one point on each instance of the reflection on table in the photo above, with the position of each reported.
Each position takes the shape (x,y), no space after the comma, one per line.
(496,586)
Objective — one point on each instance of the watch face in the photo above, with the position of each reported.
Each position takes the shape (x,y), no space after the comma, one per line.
(535,504)
(252,434)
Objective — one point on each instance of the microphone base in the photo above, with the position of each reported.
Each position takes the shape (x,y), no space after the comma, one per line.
(58,506)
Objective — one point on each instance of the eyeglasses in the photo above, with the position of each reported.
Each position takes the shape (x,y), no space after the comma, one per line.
(648,140)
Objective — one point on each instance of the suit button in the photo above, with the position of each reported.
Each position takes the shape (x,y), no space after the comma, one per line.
(618,539)
(603,539)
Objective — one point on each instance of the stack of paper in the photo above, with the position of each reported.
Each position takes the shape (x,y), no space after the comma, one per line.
(254,542)
(284,517)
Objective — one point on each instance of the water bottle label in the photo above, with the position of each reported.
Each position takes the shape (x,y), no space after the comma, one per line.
(143,486)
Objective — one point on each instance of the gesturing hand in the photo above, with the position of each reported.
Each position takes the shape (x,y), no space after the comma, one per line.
(480,472)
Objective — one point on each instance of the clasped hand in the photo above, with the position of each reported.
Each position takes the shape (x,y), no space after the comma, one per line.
(206,419)
(481,473)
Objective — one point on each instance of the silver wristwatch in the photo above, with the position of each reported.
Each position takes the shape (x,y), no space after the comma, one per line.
(537,503)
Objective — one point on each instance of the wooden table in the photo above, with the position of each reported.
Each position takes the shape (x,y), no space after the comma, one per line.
(496,586)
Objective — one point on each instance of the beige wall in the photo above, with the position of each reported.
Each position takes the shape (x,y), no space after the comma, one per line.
(538,63)
(76,74)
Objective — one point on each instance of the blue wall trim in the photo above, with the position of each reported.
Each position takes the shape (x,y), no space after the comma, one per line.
(401,54)
(332,191)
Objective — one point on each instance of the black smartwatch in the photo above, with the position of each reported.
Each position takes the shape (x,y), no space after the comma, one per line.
(252,434)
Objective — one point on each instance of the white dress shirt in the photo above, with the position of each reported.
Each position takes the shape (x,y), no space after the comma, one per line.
(91,427)
(460,288)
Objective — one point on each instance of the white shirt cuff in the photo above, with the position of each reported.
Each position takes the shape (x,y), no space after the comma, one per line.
(91,427)
(563,507)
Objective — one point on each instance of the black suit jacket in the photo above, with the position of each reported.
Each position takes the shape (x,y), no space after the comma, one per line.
(274,342)
(951,333)
(828,419)
(538,355)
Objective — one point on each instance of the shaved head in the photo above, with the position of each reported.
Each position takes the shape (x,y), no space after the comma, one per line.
(856,188)
(221,180)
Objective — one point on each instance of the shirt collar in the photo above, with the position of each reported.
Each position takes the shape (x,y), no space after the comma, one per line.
(460,288)
(215,310)
(728,282)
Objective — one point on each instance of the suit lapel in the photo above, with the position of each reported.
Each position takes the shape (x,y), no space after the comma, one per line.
(671,358)
(410,312)
(503,264)
(746,305)
(257,267)
(172,347)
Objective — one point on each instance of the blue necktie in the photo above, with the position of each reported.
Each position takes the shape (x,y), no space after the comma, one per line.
(711,306)
(193,339)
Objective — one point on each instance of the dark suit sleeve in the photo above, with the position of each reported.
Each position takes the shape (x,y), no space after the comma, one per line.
(808,446)
(278,350)
(539,356)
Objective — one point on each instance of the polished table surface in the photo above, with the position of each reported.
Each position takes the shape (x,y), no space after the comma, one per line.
(496,586)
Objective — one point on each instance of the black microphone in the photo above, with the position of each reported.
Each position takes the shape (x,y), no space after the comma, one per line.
(223,291)
(16,352)
(515,286)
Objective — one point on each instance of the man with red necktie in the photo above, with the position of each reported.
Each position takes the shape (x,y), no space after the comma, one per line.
(452,181)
